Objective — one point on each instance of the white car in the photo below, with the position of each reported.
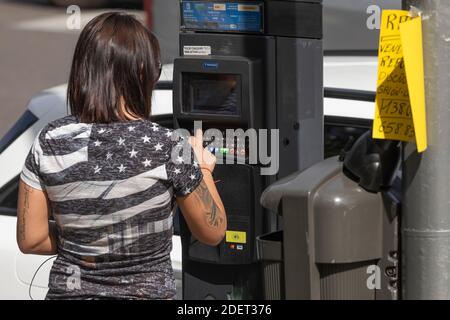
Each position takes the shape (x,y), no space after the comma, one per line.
(347,112)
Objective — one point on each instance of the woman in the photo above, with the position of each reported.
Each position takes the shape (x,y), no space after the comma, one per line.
(106,175)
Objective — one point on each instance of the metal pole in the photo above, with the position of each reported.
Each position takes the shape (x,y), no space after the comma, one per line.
(426,177)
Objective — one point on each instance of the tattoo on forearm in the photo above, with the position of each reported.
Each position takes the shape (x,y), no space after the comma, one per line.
(25,211)
(213,212)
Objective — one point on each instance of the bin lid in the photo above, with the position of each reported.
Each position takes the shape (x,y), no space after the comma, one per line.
(299,183)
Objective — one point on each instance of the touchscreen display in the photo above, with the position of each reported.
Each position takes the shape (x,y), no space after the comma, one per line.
(211,93)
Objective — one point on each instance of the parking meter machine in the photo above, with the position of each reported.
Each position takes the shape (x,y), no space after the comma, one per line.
(250,75)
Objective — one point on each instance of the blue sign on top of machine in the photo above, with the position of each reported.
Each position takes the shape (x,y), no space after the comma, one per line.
(222,16)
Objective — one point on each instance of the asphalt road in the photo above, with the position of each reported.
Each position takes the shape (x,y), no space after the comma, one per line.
(36,49)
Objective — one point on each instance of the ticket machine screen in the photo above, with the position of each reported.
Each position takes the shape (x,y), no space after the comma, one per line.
(211,93)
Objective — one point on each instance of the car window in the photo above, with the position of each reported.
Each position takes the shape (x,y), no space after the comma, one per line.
(8,197)
(21,125)
(337,132)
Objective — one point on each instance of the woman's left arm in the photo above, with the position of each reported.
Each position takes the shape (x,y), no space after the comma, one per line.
(35,233)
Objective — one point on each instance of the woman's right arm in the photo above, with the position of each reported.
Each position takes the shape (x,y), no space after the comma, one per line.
(204,212)
(203,209)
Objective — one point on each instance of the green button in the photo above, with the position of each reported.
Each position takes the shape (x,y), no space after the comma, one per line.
(224,150)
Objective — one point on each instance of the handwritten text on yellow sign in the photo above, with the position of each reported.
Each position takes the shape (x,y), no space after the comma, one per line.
(400,98)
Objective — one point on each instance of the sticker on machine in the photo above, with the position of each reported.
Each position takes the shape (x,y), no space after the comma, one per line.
(236,237)
(248,7)
(197,50)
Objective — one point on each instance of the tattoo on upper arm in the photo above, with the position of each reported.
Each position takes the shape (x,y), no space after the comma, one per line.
(213,212)
(25,211)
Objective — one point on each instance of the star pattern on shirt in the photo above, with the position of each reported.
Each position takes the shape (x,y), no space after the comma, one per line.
(158,146)
(187,190)
(138,155)
(133,153)
(147,162)
(195,164)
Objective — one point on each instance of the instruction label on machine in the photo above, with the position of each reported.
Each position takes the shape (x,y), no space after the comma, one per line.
(197,50)
(400,98)
(222,16)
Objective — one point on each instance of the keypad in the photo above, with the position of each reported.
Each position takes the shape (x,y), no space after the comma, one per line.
(233,146)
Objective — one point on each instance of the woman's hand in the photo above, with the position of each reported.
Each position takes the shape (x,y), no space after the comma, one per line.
(205,158)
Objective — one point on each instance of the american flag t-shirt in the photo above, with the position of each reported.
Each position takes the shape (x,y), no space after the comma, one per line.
(111,188)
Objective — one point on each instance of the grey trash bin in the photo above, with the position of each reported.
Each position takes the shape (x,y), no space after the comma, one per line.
(334,235)
(270,253)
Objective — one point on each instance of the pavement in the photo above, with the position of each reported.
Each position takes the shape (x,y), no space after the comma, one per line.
(36,48)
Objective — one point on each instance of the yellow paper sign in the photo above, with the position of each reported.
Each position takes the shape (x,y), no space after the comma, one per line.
(400,98)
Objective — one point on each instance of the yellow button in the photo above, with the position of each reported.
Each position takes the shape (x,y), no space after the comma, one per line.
(236,236)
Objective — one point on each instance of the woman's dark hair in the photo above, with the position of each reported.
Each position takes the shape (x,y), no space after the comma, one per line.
(115,67)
